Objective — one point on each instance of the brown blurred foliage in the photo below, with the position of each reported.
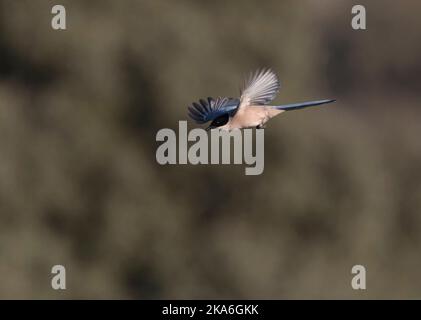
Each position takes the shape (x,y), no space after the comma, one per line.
(80,186)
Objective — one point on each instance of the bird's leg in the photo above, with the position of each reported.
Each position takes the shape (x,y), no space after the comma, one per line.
(261,126)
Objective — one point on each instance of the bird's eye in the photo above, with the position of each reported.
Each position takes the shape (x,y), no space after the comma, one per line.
(220,121)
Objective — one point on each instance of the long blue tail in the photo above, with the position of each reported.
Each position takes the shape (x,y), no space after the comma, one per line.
(295,106)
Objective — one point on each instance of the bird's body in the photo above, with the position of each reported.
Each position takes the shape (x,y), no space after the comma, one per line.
(251,109)
(251,117)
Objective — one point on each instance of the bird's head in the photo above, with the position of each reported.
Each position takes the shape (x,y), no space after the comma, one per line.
(217,111)
(219,122)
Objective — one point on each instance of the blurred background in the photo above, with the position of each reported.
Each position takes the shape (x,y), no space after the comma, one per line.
(80,186)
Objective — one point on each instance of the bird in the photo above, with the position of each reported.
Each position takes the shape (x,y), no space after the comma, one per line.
(251,109)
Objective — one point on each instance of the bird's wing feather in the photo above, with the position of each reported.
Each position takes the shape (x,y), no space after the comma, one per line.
(210,109)
(259,88)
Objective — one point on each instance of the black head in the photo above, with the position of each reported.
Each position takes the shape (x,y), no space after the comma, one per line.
(218,122)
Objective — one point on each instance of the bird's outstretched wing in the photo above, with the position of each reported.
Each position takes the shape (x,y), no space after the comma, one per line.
(259,88)
(210,109)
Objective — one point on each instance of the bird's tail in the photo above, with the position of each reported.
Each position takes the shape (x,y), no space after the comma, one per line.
(301,105)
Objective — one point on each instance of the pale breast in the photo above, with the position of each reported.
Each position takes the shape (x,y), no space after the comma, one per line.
(249,117)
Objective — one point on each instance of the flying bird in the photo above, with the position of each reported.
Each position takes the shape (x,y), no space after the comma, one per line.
(251,110)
